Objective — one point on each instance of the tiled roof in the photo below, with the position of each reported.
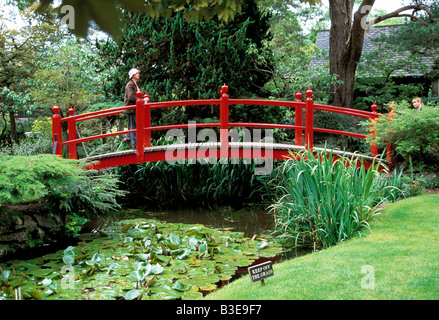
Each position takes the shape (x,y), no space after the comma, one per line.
(369,46)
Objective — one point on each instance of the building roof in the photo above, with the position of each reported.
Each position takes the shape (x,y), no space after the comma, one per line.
(371,44)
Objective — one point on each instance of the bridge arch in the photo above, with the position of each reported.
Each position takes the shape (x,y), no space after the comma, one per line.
(226,147)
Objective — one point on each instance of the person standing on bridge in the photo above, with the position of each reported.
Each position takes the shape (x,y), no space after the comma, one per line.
(130,98)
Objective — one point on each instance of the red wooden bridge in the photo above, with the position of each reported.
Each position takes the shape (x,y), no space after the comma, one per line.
(222,149)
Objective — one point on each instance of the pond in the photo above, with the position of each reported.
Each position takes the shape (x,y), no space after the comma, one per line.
(250,220)
(142,254)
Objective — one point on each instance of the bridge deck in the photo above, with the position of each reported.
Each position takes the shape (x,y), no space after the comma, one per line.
(236,150)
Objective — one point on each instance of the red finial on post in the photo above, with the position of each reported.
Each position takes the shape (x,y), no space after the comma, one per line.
(298,96)
(224,89)
(309,93)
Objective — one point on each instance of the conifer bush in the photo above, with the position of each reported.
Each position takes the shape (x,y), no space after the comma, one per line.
(60,183)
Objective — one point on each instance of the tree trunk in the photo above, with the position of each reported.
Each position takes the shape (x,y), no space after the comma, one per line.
(345,46)
(14,134)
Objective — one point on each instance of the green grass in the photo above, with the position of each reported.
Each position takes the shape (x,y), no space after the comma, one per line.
(402,248)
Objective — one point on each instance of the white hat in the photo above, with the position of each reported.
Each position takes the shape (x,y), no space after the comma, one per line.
(133,72)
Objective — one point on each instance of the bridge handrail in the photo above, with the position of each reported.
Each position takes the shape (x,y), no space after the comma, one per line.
(144,128)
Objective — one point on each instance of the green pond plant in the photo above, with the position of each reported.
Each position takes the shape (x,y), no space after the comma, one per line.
(137,259)
(322,200)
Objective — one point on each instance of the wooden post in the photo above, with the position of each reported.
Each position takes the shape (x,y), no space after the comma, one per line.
(147,109)
(309,120)
(373,132)
(224,122)
(56,131)
(140,126)
(298,121)
(73,151)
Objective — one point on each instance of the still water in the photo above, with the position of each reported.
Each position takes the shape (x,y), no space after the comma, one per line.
(250,221)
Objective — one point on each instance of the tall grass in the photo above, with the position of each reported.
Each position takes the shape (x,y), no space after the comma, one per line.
(322,200)
(194,184)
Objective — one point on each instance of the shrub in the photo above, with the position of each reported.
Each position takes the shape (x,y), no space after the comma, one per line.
(413,134)
(322,200)
(61,183)
(30,178)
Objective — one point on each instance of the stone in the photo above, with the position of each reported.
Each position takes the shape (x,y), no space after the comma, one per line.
(45,222)
(16,220)
(39,233)
(29,223)
(20,236)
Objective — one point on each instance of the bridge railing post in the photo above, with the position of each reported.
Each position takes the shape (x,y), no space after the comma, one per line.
(147,109)
(140,127)
(373,132)
(56,131)
(309,120)
(224,122)
(73,151)
(298,121)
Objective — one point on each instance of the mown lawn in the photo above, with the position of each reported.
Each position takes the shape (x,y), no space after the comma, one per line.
(398,259)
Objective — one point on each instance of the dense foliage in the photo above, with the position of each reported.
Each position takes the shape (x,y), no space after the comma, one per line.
(180,60)
(323,200)
(57,182)
(195,184)
(414,135)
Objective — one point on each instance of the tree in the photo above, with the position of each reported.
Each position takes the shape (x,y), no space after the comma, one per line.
(347,37)
(109,17)
(182,60)
(18,55)
(63,76)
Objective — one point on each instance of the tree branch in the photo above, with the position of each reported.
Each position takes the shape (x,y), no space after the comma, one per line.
(396,14)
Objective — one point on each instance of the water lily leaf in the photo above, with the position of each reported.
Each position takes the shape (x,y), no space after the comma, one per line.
(36,294)
(208,287)
(192,295)
(46,282)
(261,245)
(180,286)
(137,275)
(174,239)
(157,269)
(143,256)
(133,294)
(151,281)
(68,260)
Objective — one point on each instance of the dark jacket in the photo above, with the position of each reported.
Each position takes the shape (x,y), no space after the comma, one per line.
(130,96)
